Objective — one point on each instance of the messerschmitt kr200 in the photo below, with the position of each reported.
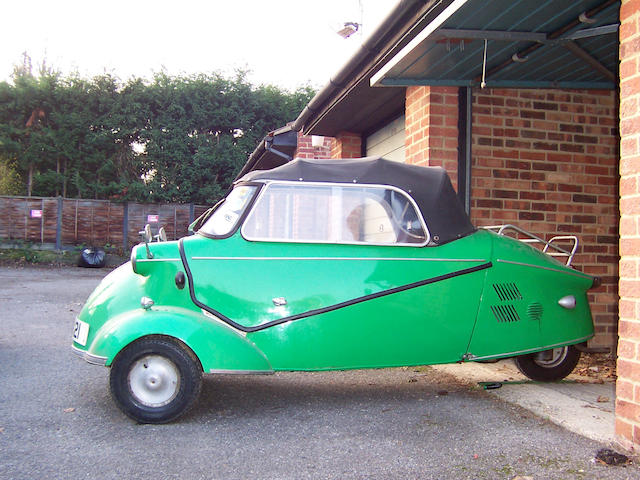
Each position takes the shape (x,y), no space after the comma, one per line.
(329,265)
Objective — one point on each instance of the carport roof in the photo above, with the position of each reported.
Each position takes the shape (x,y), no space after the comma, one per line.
(529,44)
(541,43)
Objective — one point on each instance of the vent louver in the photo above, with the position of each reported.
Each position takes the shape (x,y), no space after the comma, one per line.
(507,294)
(534,311)
(507,291)
(505,313)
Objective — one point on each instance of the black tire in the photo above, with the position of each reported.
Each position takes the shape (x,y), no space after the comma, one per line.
(550,365)
(155,380)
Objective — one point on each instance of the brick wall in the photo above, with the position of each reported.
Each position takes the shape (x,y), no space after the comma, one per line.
(307,150)
(546,160)
(628,383)
(346,145)
(431,124)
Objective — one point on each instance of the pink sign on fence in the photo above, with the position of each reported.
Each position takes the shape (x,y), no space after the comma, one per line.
(36,213)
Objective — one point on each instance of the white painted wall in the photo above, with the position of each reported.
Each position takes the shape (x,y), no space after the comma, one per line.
(388,142)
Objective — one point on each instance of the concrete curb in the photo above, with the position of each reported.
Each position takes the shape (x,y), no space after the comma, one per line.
(577,403)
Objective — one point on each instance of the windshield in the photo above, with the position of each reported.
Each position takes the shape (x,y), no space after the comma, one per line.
(225,217)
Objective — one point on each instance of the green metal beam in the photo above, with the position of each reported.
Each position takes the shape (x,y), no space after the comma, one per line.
(412,82)
(500,35)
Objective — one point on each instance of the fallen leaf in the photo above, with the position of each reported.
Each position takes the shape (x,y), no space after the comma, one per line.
(603,399)
(475,456)
(1,429)
(69,410)
(607,456)
(520,477)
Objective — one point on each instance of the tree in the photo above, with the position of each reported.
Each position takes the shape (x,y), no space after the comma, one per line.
(203,129)
(173,139)
(10,181)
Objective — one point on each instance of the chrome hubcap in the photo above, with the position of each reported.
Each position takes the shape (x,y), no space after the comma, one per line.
(154,380)
(551,358)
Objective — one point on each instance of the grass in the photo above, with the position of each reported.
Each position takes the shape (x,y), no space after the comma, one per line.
(23,256)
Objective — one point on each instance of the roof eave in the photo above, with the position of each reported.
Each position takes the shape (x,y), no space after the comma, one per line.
(388,38)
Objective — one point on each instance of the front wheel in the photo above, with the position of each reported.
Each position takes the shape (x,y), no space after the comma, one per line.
(550,365)
(155,380)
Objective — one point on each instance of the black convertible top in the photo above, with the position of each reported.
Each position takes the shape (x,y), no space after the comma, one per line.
(430,187)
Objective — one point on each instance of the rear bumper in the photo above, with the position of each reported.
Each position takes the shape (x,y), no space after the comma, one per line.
(87,357)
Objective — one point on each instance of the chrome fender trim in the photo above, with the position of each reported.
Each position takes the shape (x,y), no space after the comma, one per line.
(241,372)
(469,357)
(88,357)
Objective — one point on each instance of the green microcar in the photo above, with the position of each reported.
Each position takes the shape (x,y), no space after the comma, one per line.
(329,265)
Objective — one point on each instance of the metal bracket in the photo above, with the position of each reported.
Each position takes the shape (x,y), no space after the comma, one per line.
(538,37)
(499,35)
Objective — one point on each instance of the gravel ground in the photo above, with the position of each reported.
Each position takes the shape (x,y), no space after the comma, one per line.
(57,419)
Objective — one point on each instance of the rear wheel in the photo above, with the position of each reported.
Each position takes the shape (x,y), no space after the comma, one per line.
(155,380)
(550,365)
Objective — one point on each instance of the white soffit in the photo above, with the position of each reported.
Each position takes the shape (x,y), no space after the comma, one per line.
(418,39)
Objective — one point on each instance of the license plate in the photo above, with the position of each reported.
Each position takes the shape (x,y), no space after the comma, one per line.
(80,332)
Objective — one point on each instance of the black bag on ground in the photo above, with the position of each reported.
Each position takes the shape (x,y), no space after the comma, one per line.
(92,258)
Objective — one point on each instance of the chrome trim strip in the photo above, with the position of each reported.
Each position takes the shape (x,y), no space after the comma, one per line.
(213,317)
(575,273)
(241,372)
(268,183)
(158,260)
(309,313)
(531,350)
(377,259)
(88,357)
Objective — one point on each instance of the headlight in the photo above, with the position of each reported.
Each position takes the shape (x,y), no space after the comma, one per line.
(568,302)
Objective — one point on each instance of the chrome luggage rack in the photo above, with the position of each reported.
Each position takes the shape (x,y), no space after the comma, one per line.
(550,247)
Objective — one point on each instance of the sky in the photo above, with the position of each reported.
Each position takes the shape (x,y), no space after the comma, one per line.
(288,43)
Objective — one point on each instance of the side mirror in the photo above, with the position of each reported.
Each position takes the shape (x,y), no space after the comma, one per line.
(146,238)
(162,235)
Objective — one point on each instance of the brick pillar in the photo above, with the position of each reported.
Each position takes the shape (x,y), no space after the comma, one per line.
(628,383)
(346,145)
(307,150)
(431,127)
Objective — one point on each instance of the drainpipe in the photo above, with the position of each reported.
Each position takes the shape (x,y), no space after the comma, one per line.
(268,146)
(464,147)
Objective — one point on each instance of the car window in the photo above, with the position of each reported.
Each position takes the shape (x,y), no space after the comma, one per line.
(224,219)
(334,214)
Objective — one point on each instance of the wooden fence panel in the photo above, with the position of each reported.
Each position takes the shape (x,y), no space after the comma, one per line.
(175,219)
(50,220)
(199,210)
(92,222)
(89,222)
(34,224)
(12,215)
(69,224)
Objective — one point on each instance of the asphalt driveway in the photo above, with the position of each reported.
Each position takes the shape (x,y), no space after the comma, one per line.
(57,419)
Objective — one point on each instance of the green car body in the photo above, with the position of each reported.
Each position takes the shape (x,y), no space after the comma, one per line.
(240,304)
